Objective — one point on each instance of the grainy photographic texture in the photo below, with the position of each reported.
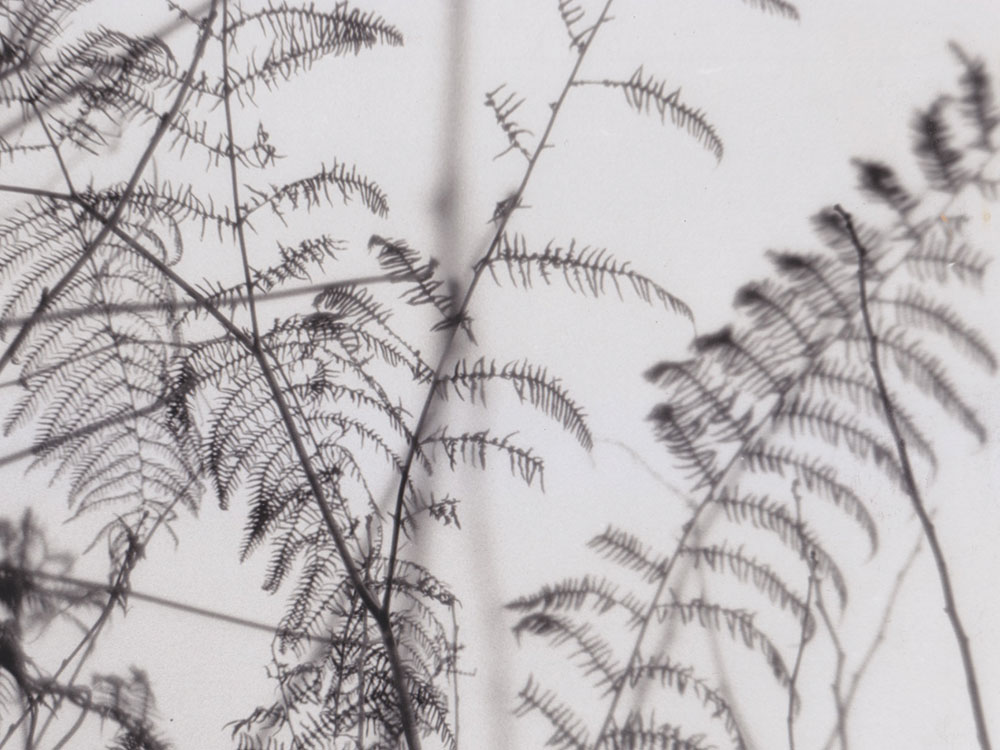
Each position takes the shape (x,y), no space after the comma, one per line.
(389,375)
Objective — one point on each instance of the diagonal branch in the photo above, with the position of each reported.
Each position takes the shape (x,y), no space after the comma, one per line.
(512,202)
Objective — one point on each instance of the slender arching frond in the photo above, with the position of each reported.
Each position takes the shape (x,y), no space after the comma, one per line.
(301,36)
(781,411)
(646,94)
(323,186)
(504,109)
(589,271)
(533,385)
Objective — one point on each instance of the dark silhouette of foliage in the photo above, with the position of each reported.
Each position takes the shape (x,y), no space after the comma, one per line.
(772,418)
(147,390)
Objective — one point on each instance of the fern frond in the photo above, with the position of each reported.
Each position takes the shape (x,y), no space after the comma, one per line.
(978,99)
(860,389)
(683,679)
(880,181)
(817,477)
(594,653)
(572,15)
(823,420)
(914,309)
(102,391)
(304,35)
(739,360)
(644,94)
(776,7)
(826,286)
(689,393)
(698,456)
(569,730)
(531,384)
(471,448)
(406,263)
(769,515)
(944,258)
(928,373)
(315,189)
(721,559)
(504,111)
(629,551)
(295,263)
(572,594)
(636,734)
(38,24)
(163,201)
(738,623)
(353,311)
(588,271)
(939,158)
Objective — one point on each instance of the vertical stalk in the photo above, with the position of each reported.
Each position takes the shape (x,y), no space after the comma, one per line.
(916,499)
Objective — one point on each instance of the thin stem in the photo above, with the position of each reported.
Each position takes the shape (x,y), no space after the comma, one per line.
(454,669)
(234,179)
(115,593)
(809,555)
(380,614)
(512,203)
(735,462)
(840,729)
(848,698)
(916,500)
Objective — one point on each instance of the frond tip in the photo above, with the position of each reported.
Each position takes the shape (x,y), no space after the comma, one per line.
(645,94)
(587,270)
(776,7)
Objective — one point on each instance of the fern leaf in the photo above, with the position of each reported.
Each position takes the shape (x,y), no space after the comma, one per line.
(628,551)
(693,453)
(683,679)
(825,286)
(572,15)
(310,191)
(594,652)
(944,258)
(569,730)
(504,111)
(531,384)
(933,144)
(721,559)
(880,181)
(739,624)
(817,477)
(774,308)
(824,421)
(914,309)
(927,373)
(588,271)
(860,388)
(978,100)
(776,7)
(688,393)
(645,94)
(304,35)
(472,448)
(406,263)
(573,593)
(637,734)
(739,361)
(768,515)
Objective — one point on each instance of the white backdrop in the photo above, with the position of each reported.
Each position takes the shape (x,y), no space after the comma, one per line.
(793,102)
